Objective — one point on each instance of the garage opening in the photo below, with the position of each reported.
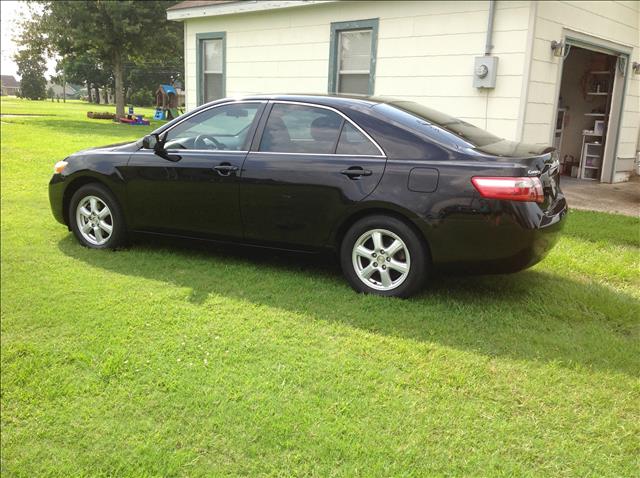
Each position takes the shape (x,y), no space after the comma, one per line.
(586,108)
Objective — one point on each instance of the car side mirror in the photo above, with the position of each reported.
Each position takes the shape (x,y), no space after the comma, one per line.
(156,143)
(152,141)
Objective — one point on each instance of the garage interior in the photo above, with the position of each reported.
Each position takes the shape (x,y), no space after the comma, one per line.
(584,112)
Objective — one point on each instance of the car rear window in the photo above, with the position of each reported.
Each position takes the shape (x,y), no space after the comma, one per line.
(468,132)
(354,142)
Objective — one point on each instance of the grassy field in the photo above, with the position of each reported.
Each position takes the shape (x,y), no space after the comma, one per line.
(173,360)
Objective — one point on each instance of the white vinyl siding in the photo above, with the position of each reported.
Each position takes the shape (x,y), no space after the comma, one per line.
(425,52)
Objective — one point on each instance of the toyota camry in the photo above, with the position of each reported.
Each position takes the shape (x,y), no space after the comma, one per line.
(396,189)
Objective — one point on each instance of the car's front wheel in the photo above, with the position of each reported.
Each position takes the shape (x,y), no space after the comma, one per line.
(383,255)
(95,218)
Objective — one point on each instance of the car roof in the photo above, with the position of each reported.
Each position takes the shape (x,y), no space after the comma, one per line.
(328,99)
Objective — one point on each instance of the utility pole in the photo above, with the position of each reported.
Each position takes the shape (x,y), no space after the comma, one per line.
(64,87)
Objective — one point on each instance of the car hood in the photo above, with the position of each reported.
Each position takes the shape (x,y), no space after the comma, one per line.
(514,149)
(126,146)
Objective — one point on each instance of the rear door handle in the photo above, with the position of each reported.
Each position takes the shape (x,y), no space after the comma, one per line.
(225,169)
(355,172)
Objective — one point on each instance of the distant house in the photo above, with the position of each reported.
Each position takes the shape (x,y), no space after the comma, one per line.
(552,72)
(10,86)
(79,90)
(69,91)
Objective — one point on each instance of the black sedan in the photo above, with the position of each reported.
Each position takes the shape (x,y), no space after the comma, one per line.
(396,189)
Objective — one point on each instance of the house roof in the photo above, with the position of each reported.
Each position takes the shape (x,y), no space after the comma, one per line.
(197,3)
(9,81)
(211,8)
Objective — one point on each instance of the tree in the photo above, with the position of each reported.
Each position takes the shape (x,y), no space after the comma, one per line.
(31,68)
(30,60)
(113,32)
(85,68)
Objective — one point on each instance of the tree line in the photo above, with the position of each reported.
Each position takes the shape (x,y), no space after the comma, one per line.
(128,47)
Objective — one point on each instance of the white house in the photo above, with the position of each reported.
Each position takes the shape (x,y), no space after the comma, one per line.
(548,72)
(9,85)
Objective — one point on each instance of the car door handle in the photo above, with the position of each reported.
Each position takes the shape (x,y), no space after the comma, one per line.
(355,172)
(225,169)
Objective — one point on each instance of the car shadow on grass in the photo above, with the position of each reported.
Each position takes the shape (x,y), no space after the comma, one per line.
(532,315)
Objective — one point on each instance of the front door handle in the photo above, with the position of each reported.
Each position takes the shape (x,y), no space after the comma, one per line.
(225,169)
(356,172)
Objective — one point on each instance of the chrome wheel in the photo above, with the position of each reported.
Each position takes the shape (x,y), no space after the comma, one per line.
(94,220)
(381,259)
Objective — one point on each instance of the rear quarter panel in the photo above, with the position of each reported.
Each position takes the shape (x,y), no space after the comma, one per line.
(458,224)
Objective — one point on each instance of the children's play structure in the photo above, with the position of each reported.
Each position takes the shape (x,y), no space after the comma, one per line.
(167,108)
(166,103)
(133,119)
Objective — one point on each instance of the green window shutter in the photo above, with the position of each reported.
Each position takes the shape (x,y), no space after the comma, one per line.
(337,28)
(201,79)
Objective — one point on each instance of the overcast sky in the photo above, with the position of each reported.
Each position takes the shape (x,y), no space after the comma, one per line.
(10,13)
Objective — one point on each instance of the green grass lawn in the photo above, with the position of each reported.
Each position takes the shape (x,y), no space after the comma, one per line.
(167,359)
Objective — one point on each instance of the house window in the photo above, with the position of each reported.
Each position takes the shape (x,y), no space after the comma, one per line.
(211,67)
(353,57)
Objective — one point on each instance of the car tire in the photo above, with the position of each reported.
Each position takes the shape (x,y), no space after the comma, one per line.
(384,255)
(96,218)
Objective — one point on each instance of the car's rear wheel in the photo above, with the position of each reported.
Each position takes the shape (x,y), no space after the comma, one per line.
(383,255)
(96,219)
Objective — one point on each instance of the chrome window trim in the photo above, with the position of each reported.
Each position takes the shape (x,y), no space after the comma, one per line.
(353,123)
(321,154)
(302,103)
(209,151)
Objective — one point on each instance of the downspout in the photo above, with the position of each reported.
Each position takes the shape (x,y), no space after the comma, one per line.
(492,12)
(526,75)
(487,52)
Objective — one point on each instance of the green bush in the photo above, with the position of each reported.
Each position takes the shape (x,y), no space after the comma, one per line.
(141,98)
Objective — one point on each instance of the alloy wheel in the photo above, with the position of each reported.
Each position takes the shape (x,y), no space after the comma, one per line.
(381,259)
(94,220)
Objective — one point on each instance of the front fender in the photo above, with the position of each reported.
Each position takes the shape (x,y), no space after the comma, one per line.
(103,169)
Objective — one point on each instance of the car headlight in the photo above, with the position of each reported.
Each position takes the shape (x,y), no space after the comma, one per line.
(59,167)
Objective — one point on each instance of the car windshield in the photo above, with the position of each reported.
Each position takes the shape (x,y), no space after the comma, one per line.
(470,133)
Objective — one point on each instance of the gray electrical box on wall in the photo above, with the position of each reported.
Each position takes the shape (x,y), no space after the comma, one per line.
(484,71)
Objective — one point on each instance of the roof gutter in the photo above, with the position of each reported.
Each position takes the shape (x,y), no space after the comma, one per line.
(237,7)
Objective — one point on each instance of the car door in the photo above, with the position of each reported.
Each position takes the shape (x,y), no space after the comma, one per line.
(193,189)
(310,163)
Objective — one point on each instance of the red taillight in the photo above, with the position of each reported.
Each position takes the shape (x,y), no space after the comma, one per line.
(510,189)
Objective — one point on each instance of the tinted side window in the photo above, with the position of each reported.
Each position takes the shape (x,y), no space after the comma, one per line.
(353,141)
(221,128)
(301,129)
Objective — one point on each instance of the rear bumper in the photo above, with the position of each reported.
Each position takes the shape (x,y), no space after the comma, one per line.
(506,237)
(542,236)
(56,197)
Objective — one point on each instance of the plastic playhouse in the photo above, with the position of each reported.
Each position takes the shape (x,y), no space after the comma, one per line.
(166,103)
